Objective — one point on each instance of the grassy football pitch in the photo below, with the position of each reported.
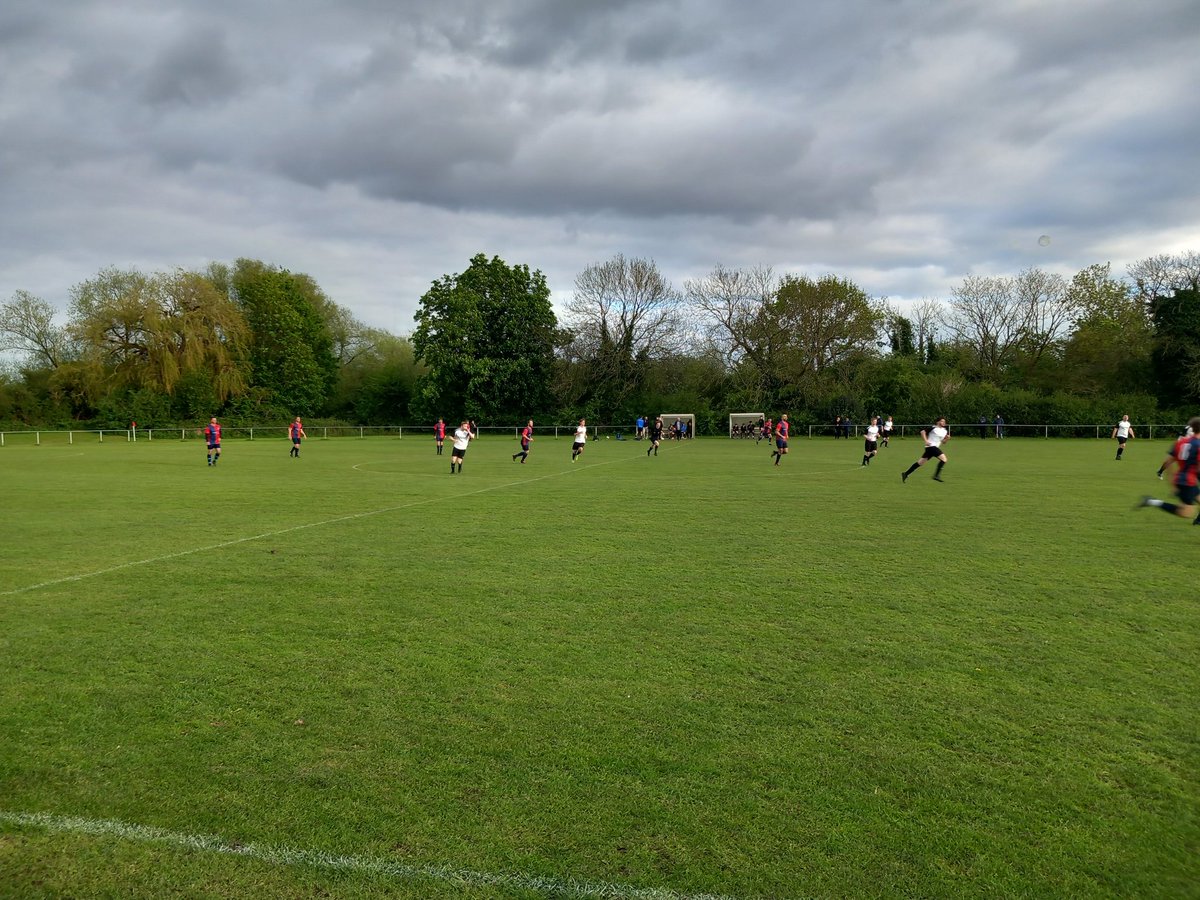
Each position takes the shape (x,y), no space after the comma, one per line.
(355,675)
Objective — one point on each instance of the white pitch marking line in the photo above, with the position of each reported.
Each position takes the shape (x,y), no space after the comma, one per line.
(542,884)
(269,534)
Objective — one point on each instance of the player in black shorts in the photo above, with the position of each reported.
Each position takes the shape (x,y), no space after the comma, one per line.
(656,431)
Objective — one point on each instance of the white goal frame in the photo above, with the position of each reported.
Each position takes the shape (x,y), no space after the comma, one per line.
(743,418)
(670,419)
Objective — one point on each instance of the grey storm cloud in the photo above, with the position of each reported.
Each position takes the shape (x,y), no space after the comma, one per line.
(377,144)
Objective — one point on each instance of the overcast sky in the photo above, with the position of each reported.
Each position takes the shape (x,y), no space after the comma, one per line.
(378,144)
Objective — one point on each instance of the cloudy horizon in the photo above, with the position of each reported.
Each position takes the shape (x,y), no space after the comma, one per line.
(379,146)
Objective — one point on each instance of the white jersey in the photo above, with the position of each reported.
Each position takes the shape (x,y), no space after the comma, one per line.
(887,426)
(581,434)
(872,433)
(935,435)
(462,437)
(1123,428)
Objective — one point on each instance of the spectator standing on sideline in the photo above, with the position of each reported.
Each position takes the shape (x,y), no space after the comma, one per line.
(462,439)
(934,437)
(296,432)
(1123,431)
(1187,479)
(837,428)
(212,437)
(999,423)
(641,428)
(983,428)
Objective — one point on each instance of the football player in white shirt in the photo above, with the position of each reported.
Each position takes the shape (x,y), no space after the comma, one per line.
(871,441)
(580,442)
(887,430)
(934,438)
(462,437)
(1123,431)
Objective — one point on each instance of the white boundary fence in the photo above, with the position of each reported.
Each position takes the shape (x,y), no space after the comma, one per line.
(620,432)
(314,432)
(965,430)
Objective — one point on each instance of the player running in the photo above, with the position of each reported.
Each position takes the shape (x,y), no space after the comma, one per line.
(934,438)
(1187,479)
(1170,459)
(526,440)
(656,431)
(1123,431)
(888,428)
(580,442)
(871,441)
(782,429)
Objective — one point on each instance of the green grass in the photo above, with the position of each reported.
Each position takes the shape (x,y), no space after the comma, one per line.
(685,675)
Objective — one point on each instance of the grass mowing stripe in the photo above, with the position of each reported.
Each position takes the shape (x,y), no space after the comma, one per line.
(563,887)
(268,534)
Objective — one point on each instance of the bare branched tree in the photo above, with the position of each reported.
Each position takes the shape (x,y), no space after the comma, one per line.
(27,325)
(727,303)
(987,316)
(928,317)
(1161,276)
(1049,311)
(628,304)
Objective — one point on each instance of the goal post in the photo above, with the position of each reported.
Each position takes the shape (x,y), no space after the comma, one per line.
(744,424)
(682,425)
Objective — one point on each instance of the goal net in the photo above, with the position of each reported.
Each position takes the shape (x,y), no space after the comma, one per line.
(678,426)
(744,425)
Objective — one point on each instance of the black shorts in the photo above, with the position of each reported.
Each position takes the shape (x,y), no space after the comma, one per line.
(578,445)
(870,446)
(931,453)
(459,453)
(1122,440)
(780,444)
(1187,494)
(214,446)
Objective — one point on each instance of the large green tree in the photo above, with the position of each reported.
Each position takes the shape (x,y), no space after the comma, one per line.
(291,348)
(1108,351)
(487,338)
(1177,347)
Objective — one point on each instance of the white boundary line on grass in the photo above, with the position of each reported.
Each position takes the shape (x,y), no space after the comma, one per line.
(269,534)
(289,856)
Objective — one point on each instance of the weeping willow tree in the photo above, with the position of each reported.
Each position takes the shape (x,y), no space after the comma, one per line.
(155,331)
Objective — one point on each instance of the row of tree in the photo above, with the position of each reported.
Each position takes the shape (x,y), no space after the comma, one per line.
(254,343)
